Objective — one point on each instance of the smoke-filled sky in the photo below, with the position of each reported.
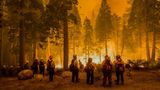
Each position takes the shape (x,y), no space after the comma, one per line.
(86,7)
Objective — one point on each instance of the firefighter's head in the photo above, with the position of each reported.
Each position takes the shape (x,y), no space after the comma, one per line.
(74,56)
(118,57)
(89,60)
(106,57)
(50,57)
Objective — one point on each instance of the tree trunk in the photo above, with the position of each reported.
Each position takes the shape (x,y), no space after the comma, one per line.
(0,46)
(61,54)
(21,35)
(140,44)
(117,41)
(100,56)
(106,48)
(146,30)
(154,46)
(66,45)
(74,48)
(123,45)
(147,47)
(48,49)
(22,45)
(35,52)
(88,51)
(1,32)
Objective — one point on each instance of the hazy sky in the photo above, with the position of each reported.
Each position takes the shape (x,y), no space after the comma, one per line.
(86,7)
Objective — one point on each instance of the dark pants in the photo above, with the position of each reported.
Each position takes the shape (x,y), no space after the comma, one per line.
(42,71)
(90,77)
(51,74)
(75,75)
(107,76)
(120,77)
(35,70)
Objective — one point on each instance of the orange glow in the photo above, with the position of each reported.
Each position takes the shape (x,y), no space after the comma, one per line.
(87,7)
(118,6)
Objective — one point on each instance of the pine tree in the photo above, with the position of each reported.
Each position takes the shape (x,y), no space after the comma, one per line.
(103,27)
(75,32)
(143,17)
(58,12)
(88,37)
(116,27)
(23,17)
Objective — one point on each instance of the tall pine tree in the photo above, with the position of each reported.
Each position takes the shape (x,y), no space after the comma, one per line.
(88,37)
(103,27)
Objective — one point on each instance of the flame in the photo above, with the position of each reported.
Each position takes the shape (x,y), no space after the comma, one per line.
(59,66)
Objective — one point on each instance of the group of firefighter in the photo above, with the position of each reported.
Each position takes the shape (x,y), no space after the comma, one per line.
(107,70)
(40,66)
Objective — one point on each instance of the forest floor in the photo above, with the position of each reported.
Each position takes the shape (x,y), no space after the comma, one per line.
(142,80)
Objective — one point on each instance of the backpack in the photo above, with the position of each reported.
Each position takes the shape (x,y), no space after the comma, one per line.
(108,67)
(71,67)
(50,65)
(121,67)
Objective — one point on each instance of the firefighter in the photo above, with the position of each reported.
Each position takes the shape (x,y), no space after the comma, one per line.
(26,65)
(119,66)
(74,68)
(89,69)
(50,68)
(35,66)
(41,67)
(107,71)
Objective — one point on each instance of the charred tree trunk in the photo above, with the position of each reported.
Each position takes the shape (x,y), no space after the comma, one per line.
(122,50)
(0,44)
(66,45)
(22,45)
(147,47)
(21,35)
(140,44)
(146,30)
(1,14)
(88,51)
(106,44)
(154,46)
(117,42)
(35,50)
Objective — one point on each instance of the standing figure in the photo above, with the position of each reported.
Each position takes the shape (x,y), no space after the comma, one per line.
(119,66)
(74,68)
(107,71)
(35,66)
(50,68)
(90,71)
(26,65)
(41,67)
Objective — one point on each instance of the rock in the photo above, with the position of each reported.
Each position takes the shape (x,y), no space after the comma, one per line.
(66,74)
(25,74)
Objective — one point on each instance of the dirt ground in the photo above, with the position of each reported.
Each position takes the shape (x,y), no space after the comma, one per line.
(142,80)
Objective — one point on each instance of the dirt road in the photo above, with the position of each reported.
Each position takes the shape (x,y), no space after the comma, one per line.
(142,80)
